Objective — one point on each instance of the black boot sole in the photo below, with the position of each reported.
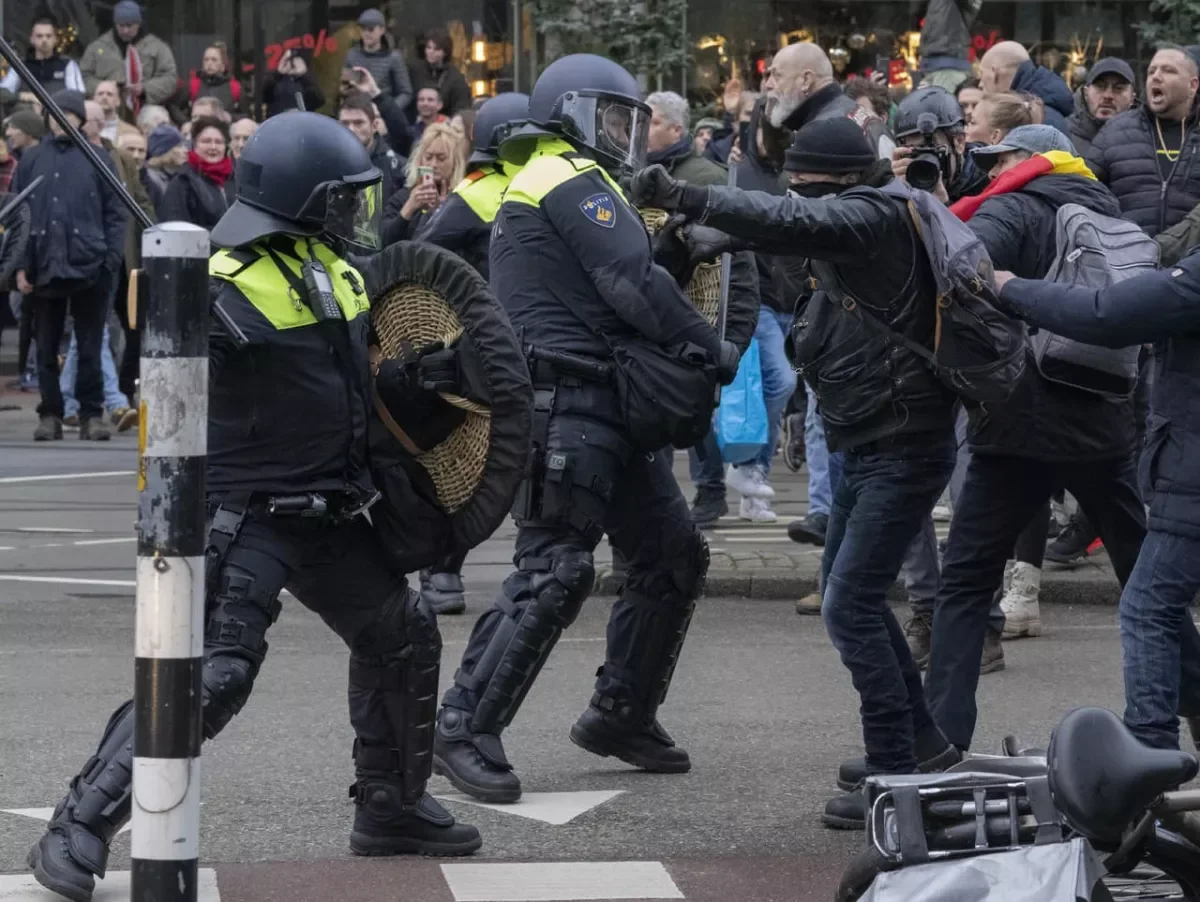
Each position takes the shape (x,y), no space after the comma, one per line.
(379,847)
(67,890)
(842,823)
(805,537)
(597,746)
(494,796)
(448,606)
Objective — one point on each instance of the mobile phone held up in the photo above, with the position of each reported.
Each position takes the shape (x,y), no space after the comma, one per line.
(425,175)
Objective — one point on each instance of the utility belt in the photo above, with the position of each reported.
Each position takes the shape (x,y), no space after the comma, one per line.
(230,514)
(549,368)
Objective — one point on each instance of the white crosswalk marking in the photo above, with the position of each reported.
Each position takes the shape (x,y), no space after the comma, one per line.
(555,808)
(113,888)
(560,881)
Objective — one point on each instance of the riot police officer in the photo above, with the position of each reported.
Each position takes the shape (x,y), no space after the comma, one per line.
(571,264)
(288,482)
(463,224)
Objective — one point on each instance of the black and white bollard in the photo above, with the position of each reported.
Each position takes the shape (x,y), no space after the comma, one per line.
(170,572)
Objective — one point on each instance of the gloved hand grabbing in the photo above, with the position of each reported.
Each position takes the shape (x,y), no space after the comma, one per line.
(727,366)
(454,371)
(680,246)
(654,187)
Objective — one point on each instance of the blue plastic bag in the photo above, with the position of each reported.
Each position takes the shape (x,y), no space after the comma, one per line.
(741,421)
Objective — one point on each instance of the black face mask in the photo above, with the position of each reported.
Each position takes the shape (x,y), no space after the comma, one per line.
(818,190)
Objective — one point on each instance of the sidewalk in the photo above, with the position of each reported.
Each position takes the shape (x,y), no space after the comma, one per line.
(755,560)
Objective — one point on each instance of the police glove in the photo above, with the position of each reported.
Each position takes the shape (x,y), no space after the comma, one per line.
(680,246)
(398,381)
(454,371)
(654,187)
(727,367)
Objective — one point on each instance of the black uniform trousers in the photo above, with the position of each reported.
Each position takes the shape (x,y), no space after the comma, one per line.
(999,496)
(606,486)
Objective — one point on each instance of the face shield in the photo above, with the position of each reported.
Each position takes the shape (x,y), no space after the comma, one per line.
(616,127)
(353,211)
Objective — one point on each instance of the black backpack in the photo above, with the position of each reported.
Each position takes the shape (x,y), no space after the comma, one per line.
(978,351)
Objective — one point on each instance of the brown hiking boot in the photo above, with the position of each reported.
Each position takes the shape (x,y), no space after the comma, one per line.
(49,429)
(993,653)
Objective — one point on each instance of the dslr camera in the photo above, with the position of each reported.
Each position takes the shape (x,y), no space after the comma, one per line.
(930,159)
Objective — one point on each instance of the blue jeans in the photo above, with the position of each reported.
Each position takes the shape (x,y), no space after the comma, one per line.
(113,398)
(1159,642)
(778,377)
(818,459)
(881,504)
(708,473)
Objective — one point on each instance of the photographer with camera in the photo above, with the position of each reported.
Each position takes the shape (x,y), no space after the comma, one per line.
(933,153)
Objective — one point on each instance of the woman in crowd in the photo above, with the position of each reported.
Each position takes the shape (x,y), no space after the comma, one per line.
(437,164)
(214,80)
(166,154)
(203,189)
(995,115)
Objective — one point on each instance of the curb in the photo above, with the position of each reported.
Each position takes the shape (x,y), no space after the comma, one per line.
(778,585)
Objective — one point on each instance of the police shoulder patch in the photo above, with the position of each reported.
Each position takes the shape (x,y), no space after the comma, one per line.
(601,210)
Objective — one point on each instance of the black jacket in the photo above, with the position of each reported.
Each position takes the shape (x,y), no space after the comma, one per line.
(945,30)
(190,197)
(868,387)
(449,82)
(389,162)
(1124,157)
(1082,126)
(830,102)
(77,223)
(1045,420)
(288,412)
(1041,82)
(1162,307)
(395,227)
(279,93)
(604,285)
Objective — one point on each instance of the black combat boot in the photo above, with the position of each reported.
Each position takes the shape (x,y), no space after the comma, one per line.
(443,591)
(74,851)
(609,728)
(708,507)
(934,754)
(474,762)
(385,825)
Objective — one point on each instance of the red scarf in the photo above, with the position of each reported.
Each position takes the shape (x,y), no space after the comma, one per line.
(1054,162)
(133,76)
(214,172)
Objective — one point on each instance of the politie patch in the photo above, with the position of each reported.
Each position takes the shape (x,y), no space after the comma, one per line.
(600,209)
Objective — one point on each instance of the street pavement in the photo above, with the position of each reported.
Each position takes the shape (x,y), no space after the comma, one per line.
(760,700)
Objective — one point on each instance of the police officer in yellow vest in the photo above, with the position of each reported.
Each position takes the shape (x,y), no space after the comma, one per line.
(463,225)
(288,481)
(571,264)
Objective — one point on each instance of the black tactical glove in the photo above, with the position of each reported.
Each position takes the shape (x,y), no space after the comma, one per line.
(454,371)
(727,366)
(680,246)
(654,187)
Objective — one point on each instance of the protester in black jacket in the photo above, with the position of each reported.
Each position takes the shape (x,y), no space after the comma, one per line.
(202,191)
(881,404)
(1007,67)
(75,250)
(1148,156)
(1107,91)
(1044,438)
(290,78)
(435,69)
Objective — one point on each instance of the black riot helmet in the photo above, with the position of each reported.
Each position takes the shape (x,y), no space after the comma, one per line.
(304,174)
(594,104)
(495,121)
(933,100)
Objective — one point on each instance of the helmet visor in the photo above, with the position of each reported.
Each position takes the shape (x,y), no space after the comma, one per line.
(353,213)
(617,127)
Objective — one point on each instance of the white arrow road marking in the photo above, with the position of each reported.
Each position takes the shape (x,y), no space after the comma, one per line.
(13,480)
(555,808)
(563,881)
(113,888)
(38,814)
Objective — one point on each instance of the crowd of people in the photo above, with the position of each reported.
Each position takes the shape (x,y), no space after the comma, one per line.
(811,186)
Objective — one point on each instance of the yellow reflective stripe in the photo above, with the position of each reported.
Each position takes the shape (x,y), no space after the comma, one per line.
(270,292)
(483,195)
(553,163)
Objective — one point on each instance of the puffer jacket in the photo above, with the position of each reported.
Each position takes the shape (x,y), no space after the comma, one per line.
(1045,420)
(1124,156)
(1041,82)
(387,67)
(1082,126)
(104,60)
(863,246)
(1163,308)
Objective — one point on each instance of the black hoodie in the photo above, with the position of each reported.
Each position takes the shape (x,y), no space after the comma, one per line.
(1046,420)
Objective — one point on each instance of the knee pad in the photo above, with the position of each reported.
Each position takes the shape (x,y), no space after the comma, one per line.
(227,681)
(405,624)
(559,593)
(689,579)
(239,615)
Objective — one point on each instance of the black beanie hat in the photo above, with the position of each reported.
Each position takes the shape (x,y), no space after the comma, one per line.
(833,146)
(72,102)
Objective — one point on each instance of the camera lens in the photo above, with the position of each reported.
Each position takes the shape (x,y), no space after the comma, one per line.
(924,171)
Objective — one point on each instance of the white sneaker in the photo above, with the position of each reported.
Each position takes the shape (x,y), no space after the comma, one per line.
(748,480)
(942,513)
(1020,603)
(756,510)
